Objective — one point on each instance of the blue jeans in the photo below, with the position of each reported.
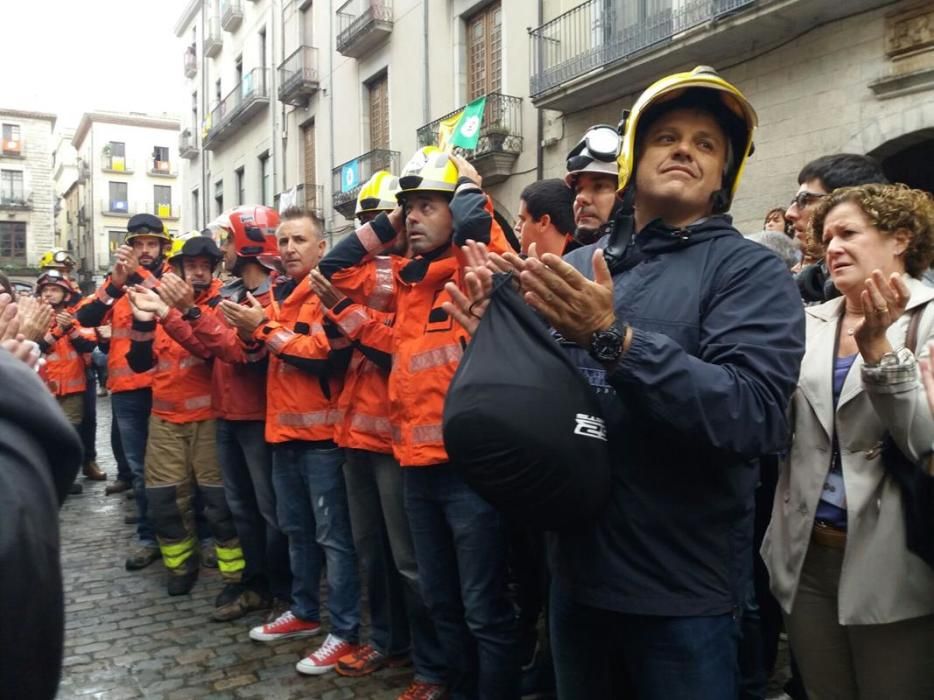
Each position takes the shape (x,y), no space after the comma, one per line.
(311,504)
(131,410)
(116,446)
(607,654)
(383,540)
(88,427)
(246,463)
(460,548)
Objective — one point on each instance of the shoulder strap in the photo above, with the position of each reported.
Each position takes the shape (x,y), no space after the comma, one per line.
(911,338)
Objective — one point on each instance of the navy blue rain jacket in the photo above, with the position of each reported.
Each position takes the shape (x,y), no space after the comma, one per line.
(700,394)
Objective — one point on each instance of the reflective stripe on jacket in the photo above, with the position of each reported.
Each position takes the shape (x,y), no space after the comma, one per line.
(305,376)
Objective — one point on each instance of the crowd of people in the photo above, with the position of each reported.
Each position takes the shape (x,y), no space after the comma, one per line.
(279,413)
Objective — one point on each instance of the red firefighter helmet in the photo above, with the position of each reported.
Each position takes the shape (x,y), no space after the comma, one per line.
(55,278)
(253,233)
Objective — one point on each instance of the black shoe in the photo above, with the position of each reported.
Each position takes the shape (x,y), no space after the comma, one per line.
(75,489)
(181,584)
(236,600)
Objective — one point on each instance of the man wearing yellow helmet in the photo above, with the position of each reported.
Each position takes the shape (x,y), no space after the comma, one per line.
(692,338)
(442,204)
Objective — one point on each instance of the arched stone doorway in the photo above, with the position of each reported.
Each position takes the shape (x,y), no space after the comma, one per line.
(903,141)
(909,159)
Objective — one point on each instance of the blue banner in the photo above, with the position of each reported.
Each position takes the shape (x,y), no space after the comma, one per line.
(350,176)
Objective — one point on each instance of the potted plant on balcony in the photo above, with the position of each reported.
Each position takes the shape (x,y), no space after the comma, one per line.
(496,135)
(107,153)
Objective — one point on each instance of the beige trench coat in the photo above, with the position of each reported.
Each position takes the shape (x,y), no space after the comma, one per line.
(881,581)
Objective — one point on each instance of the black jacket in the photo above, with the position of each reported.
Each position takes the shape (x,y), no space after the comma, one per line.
(702,391)
(39,458)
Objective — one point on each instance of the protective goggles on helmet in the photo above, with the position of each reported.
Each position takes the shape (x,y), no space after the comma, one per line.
(601,142)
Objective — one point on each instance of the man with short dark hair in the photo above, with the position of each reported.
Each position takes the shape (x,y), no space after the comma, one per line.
(816,180)
(592,174)
(308,358)
(546,218)
(140,260)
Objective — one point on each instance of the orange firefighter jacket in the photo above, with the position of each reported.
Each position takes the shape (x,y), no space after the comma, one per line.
(307,362)
(110,305)
(181,383)
(64,368)
(425,344)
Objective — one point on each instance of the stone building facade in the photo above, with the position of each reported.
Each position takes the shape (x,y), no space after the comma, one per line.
(127,163)
(26,195)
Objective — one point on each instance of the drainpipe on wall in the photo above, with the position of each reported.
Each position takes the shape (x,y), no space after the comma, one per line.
(95,265)
(426,92)
(269,90)
(330,94)
(204,113)
(283,117)
(539,148)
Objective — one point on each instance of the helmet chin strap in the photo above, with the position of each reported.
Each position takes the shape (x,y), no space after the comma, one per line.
(622,226)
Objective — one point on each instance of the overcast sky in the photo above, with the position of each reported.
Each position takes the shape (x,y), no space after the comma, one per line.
(69,57)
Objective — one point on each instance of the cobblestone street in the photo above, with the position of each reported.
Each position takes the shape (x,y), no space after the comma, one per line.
(125,638)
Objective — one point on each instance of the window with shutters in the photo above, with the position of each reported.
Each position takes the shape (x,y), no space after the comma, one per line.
(484,52)
(118,197)
(378,97)
(13,241)
(11,187)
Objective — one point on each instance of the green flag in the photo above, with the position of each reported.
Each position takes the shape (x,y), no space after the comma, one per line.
(467,131)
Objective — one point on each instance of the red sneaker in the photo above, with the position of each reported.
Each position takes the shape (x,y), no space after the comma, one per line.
(420,690)
(326,657)
(362,661)
(285,626)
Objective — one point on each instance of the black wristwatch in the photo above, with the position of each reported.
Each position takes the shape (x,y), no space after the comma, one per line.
(606,346)
(193,314)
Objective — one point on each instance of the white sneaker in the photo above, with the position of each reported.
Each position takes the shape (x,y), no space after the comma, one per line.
(286,626)
(326,657)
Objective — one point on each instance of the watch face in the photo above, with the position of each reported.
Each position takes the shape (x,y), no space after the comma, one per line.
(607,345)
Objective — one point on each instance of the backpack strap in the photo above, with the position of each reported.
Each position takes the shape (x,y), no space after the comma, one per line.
(911,337)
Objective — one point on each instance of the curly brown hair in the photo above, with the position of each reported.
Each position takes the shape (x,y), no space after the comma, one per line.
(889,208)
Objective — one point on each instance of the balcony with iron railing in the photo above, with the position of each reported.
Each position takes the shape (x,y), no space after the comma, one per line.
(166,212)
(161,168)
(500,141)
(12,148)
(115,164)
(347,178)
(188,145)
(298,76)
(191,62)
(599,51)
(248,98)
(213,41)
(362,25)
(307,196)
(231,15)
(118,207)
(15,200)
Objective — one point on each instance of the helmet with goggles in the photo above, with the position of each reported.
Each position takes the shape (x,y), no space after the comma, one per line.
(56,259)
(595,153)
(54,278)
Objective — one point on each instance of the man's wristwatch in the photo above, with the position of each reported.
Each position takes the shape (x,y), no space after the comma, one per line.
(193,314)
(606,346)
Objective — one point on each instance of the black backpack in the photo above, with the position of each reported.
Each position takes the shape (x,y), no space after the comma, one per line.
(521,424)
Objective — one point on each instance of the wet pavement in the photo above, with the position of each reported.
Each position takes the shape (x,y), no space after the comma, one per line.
(126,638)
